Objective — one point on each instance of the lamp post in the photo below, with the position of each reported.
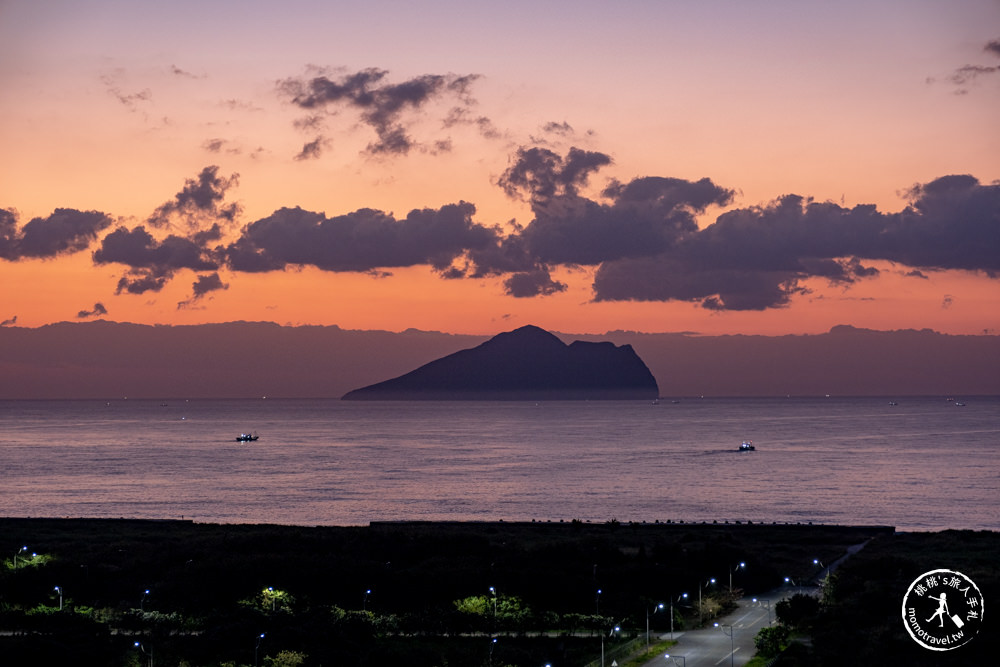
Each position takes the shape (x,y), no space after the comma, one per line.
(364,602)
(656,608)
(149,654)
(18,554)
(142,600)
(701,612)
(673,659)
(732,642)
(256,648)
(738,567)
(597,602)
(613,631)
(493,644)
(494,592)
(767,605)
(59,590)
(683,596)
(822,567)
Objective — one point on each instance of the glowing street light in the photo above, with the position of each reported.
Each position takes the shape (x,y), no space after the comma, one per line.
(822,567)
(613,631)
(701,613)
(597,602)
(364,603)
(256,648)
(149,654)
(494,592)
(656,608)
(142,600)
(741,566)
(683,596)
(19,551)
(59,590)
(732,642)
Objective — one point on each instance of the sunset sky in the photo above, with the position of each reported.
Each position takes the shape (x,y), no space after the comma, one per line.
(469,167)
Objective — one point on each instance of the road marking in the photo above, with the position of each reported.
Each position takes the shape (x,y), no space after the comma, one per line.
(725,657)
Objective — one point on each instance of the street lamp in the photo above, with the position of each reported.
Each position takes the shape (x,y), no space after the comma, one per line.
(673,659)
(701,613)
(683,596)
(767,605)
(149,655)
(142,600)
(732,642)
(738,567)
(364,603)
(59,590)
(597,602)
(256,648)
(655,609)
(492,646)
(494,592)
(18,554)
(822,567)
(613,631)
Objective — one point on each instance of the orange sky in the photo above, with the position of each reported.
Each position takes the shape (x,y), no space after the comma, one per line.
(113,107)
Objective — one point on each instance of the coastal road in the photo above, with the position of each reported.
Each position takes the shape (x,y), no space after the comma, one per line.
(714,647)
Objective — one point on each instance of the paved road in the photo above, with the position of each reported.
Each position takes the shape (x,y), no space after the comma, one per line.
(714,647)
(733,645)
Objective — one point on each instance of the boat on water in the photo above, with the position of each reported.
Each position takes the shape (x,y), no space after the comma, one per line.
(247,437)
(747,446)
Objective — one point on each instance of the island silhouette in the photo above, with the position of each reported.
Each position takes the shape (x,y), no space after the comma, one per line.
(527,363)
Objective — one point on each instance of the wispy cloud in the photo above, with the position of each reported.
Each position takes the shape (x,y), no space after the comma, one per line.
(383,106)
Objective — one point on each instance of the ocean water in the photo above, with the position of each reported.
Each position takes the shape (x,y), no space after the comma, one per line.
(923,464)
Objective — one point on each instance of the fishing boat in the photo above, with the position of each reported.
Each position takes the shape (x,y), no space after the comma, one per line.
(747,446)
(247,437)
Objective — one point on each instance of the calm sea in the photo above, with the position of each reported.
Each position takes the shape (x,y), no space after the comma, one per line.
(923,464)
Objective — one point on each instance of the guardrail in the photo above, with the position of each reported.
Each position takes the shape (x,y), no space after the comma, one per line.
(619,651)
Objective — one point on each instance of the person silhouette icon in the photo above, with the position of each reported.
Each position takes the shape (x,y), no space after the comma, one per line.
(941,610)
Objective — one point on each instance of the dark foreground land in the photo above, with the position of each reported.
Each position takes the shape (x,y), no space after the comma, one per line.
(458,594)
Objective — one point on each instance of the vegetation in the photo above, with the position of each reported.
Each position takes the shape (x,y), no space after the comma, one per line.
(414,593)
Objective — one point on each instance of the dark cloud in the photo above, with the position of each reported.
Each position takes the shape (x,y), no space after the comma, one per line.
(360,241)
(464,116)
(202,286)
(759,257)
(539,174)
(644,217)
(199,200)
(381,104)
(65,231)
(952,222)
(206,284)
(533,283)
(97,311)
(969,73)
(312,150)
(9,322)
(151,262)
(130,100)
(8,234)
(177,71)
